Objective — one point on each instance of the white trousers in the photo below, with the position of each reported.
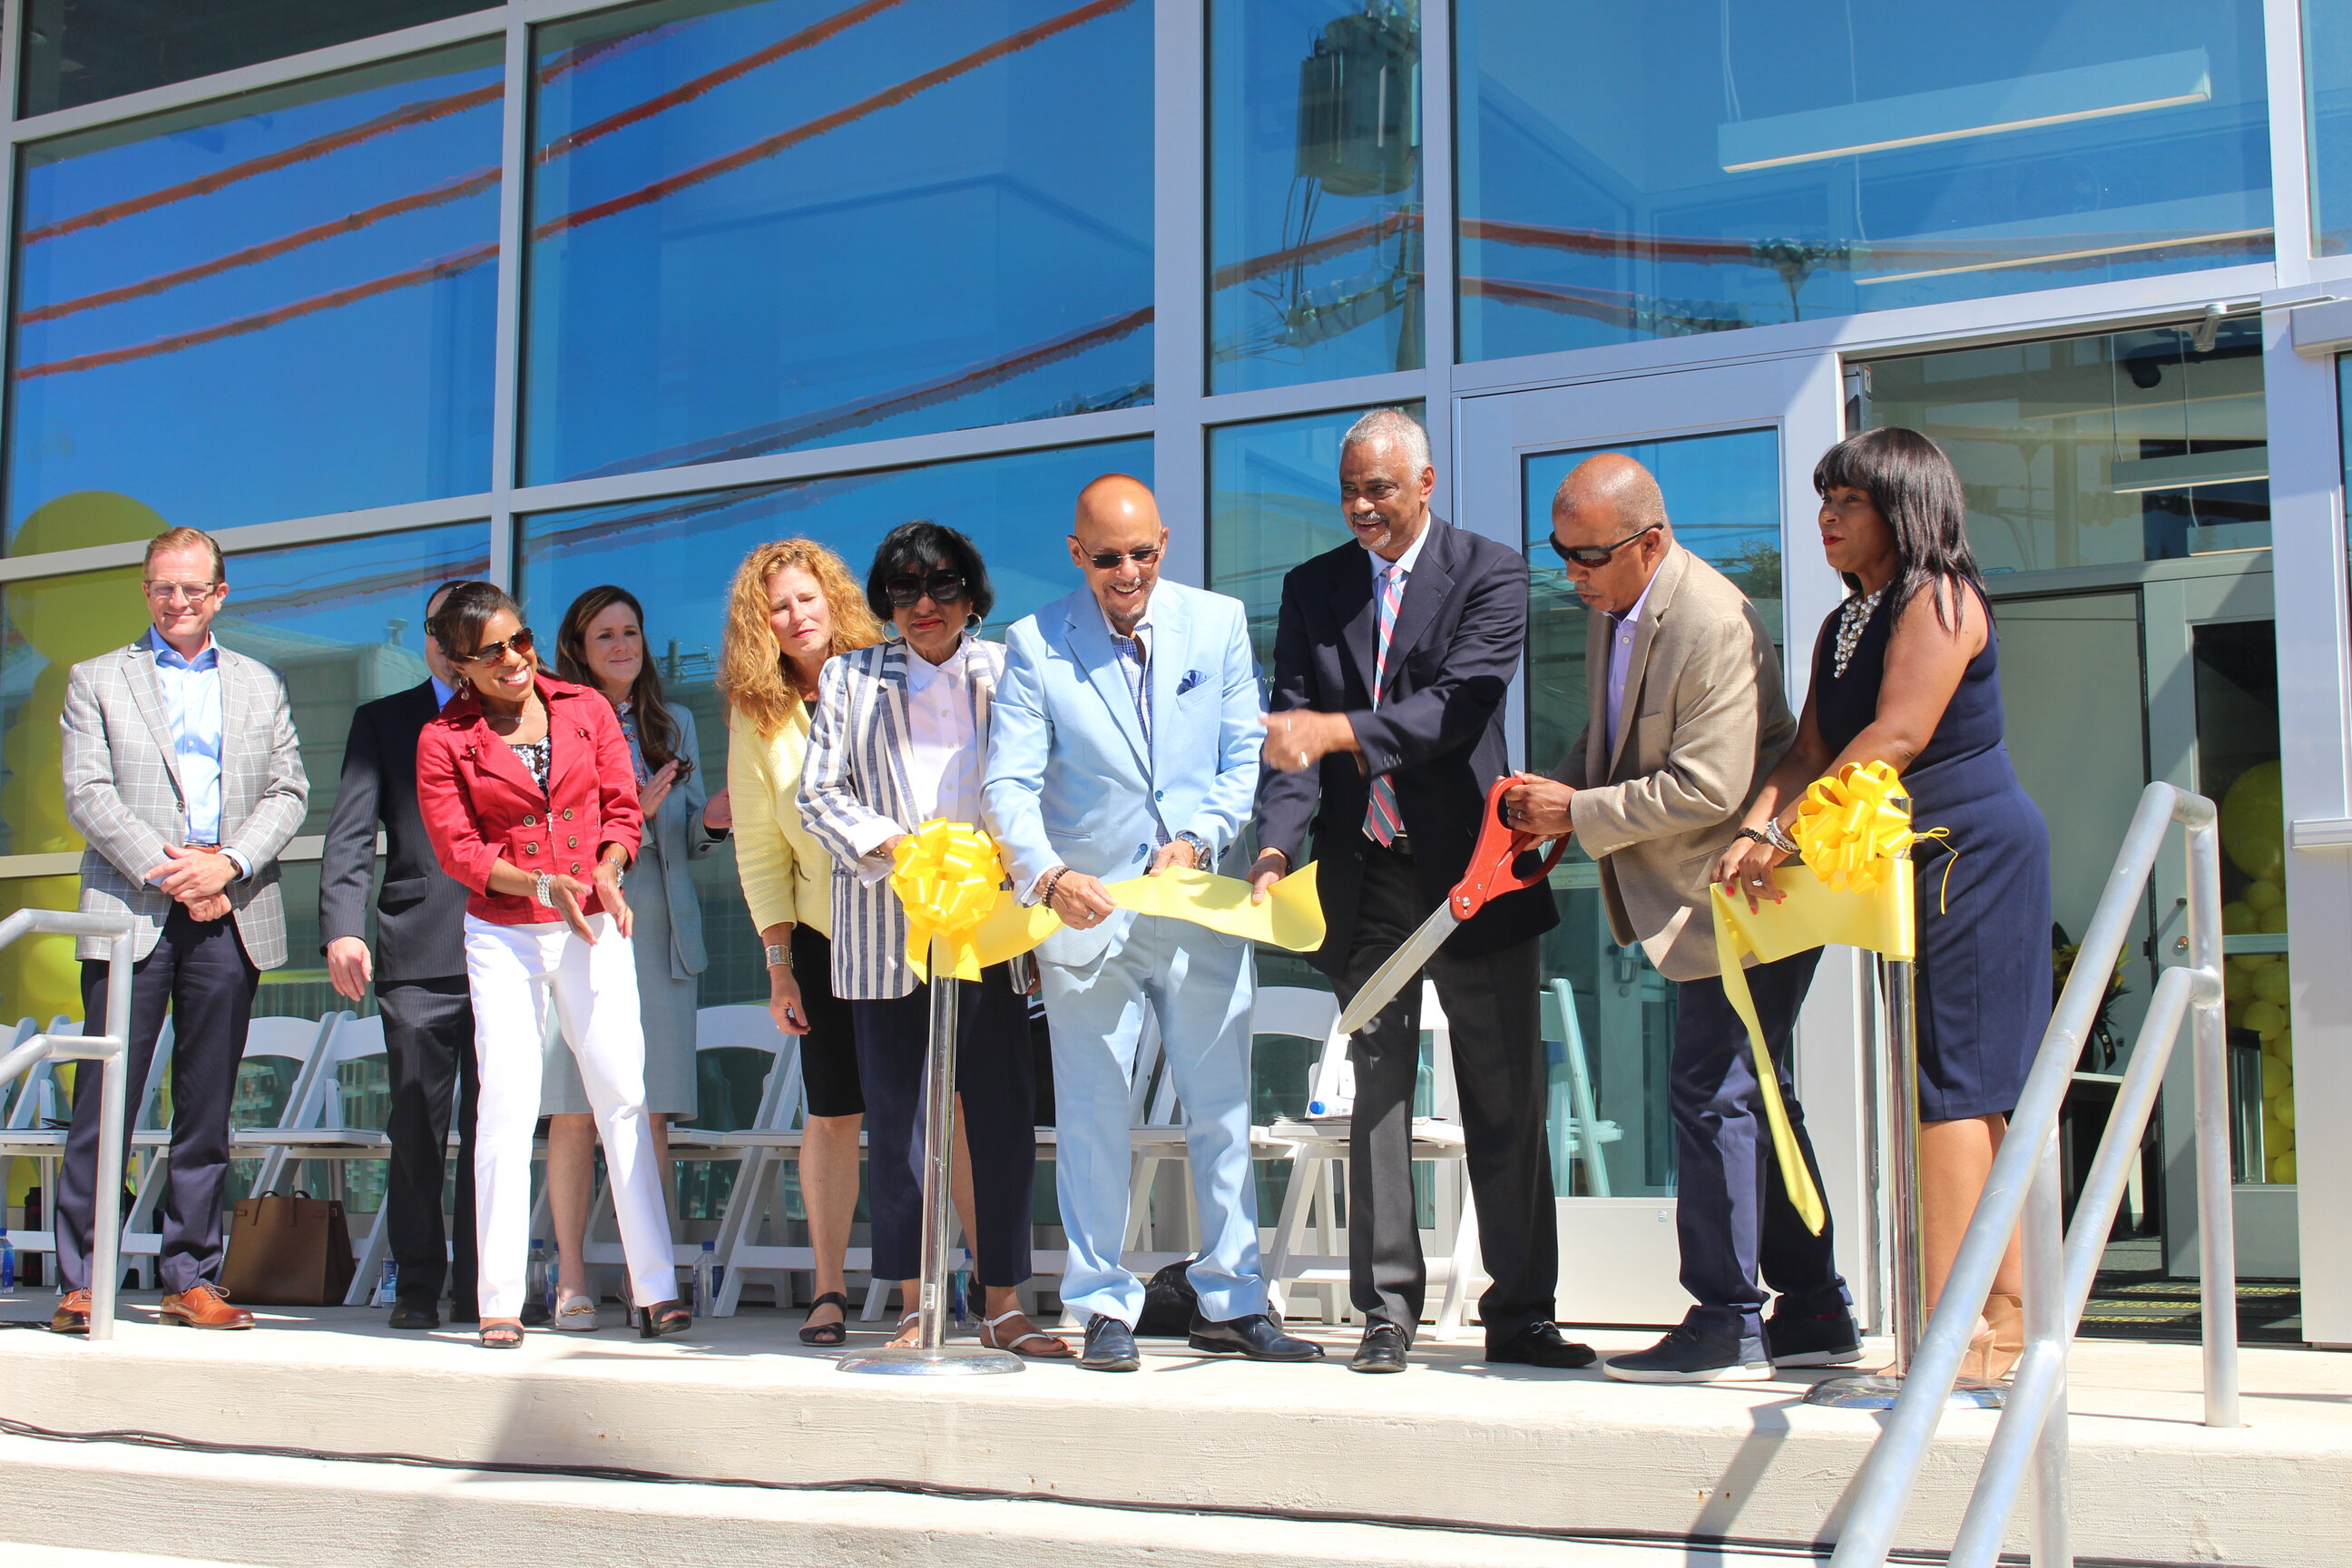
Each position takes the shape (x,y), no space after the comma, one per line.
(515,975)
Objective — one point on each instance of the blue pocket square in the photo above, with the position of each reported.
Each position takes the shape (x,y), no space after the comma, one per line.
(1192,677)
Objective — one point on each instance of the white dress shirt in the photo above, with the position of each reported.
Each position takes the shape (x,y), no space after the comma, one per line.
(944,762)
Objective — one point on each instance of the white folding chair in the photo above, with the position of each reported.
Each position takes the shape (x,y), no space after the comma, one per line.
(1579,1131)
(308,1044)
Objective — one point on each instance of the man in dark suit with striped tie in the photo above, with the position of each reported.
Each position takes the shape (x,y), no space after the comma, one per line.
(1392,658)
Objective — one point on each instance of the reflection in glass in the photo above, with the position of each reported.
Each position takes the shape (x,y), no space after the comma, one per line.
(1707,166)
(76,52)
(2090,451)
(1723,497)
(1315,208)
(679,554)
(777,224)
(276,307)
(2327,81)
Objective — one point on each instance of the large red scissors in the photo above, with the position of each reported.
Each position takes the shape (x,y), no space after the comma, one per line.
(1502,861)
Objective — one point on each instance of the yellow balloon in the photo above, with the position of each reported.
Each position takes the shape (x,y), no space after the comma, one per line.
(2263,894)
(2275,1078)
(2253,822)
(2282,1168)
(2271,921)
(2265,1018)
(2271,983)
(2248,964)
(2237,918)
(2234,1012)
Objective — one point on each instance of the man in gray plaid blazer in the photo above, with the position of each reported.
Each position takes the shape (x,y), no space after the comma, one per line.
(183,774)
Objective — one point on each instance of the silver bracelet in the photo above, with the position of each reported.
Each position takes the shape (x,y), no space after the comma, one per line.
(546,880)
(780,956)
(1778,837)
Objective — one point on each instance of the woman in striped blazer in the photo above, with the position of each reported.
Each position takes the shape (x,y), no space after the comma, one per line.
(900,736)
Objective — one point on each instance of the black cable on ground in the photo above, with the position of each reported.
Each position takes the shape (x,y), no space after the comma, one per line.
(1794,1551)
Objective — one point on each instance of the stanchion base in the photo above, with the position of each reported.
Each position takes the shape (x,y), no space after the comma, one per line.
(1879,1391)
(948,1361)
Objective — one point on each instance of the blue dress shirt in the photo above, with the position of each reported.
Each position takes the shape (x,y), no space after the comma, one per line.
(191,703)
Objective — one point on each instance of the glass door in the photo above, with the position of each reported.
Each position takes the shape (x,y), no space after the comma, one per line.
(1724,446)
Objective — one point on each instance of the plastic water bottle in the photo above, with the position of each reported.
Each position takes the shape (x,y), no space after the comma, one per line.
(706,1279)
(538,1278)
(7,1263)
(387,1285)
(960,1290)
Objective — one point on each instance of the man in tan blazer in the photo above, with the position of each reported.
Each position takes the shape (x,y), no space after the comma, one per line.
(1688,718)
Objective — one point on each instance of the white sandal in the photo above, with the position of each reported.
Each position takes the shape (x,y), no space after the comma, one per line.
(901,1329)
(575,1314)
(988,1336)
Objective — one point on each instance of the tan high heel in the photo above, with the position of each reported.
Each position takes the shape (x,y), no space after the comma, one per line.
(1993,1353)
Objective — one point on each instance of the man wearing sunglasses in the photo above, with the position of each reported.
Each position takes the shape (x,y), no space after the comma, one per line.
(1391,659)
(1125,744)
(1687,727)
(183,774)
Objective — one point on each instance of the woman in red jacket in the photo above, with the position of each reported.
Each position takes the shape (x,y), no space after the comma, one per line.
(529,794)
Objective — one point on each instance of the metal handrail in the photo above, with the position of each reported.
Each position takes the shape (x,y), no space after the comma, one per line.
(110,1052)
(2060,1262)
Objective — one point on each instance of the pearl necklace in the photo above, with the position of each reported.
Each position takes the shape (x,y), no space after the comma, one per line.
(1853,616)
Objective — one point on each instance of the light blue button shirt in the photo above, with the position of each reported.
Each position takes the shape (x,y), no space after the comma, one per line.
(192,705)
(1621,656)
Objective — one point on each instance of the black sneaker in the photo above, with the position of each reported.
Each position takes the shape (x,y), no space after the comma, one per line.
(1806,1339)
(1694,1355)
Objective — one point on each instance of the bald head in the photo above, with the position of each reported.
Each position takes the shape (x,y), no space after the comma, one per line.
(1611,503)
(1117,519)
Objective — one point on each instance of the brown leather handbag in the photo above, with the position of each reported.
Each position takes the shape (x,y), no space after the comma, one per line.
(289,1249)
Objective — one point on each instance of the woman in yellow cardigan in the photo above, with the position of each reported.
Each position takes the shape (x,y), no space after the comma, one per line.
(795,606)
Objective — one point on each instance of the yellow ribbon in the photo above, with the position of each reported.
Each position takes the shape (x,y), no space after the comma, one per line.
(950,878)
(1852,831)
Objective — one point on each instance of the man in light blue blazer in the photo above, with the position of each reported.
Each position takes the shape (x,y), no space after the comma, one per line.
(1126,740)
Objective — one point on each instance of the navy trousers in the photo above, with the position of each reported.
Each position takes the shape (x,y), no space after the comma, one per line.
(429,1042)
(199,970)
(1739,1231)
(996,1077)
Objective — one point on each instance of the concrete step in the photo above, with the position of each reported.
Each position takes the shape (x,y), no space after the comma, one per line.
(1455,1440)
(110,1508)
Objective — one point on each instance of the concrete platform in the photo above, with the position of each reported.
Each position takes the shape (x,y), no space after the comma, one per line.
(1454,1441)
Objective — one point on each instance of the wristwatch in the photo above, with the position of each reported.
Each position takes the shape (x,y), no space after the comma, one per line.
(1200,848)
(779,957)
(546,887)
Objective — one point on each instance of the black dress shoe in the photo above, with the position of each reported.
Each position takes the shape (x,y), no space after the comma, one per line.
(1110,1346)
(1254,1337)
(414,1315)
(1541,1346)
(1384,1350)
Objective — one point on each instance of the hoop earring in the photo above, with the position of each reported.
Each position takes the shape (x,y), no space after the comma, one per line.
(890,632)
(972,622)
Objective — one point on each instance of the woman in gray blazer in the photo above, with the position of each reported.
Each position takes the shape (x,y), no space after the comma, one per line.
(601,644)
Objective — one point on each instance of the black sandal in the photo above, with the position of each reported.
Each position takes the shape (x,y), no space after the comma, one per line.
(663,1318)
(827,1334)
(500,1336)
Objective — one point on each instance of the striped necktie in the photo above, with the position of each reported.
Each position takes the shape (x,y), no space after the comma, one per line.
(1382,823)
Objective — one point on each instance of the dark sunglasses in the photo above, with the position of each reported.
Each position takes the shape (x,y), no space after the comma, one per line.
(944,587)
(496,652)
(1109,559)
(1597,555)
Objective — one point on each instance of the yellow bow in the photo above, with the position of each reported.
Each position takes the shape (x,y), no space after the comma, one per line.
(1852,825)
(950,877)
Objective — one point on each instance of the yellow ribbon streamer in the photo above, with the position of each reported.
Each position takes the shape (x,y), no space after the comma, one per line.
(950,877)
(1852,830)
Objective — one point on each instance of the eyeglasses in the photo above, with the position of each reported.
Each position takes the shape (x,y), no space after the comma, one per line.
(1598,554)
(496,652)
(944,588)
(1109,559)
(169,592)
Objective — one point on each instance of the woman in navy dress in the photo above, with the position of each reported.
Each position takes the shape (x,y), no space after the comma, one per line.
(1906,672)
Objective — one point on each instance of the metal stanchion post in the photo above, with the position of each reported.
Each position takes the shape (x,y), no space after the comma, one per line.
(1877,1390)
(930,1355)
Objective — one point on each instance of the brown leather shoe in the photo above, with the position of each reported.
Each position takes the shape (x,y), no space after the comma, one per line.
(72,1316)
(204,1305)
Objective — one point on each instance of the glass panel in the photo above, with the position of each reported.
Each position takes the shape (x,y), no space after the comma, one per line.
(677,554)
(1315,202)
(278,306)
(2090,451)
(1723,495)
(76,51)
(2327,78)
(770,224)
(1730,167)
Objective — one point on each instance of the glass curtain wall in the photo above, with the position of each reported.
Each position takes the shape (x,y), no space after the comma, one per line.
(1315,178)
(277,306)
(2328,89)
(1632,172)
(763,225)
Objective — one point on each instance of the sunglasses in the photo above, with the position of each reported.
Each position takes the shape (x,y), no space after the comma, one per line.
(944,588)
(1597,555)
(1109,559)
(496,652)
